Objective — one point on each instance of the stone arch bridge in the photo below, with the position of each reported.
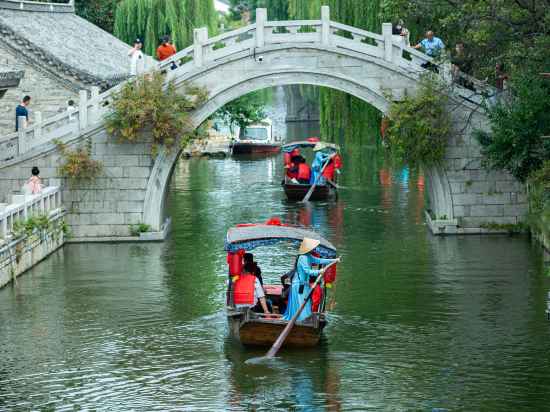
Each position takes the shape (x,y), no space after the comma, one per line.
(376,68)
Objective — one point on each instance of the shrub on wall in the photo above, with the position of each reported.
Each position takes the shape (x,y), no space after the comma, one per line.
(77,165)
(418,126)
(147,103)
(539,199)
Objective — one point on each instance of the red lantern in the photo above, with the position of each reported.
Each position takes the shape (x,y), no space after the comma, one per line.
(235,262)
(337,161)
(330,274)
(286,158)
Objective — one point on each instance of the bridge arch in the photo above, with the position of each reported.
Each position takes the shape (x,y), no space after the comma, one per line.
(365,77)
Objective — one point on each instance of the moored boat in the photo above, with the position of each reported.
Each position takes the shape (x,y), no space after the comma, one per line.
(256,139)
(260,329)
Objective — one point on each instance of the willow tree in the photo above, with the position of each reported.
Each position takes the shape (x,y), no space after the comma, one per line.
(339,110)
(152,19)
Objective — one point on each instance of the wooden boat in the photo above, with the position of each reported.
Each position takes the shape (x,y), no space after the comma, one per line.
(258,329)
(296,191)
(256,139)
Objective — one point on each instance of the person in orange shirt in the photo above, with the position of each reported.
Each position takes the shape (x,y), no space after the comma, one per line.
(166,49)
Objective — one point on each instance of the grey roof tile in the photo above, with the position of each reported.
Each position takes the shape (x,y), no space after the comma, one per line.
(68,38)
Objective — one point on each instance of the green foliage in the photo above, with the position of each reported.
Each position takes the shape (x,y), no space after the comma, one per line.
(27,227)
(539,184)
(243,111)
(341,113)
(515,141)
(419,125)
(152,19)
(99,12)
(511,228)
(492,30)
(146,104)
(77,165)
(136,229)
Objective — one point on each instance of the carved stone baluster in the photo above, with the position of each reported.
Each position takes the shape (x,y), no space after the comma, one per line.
(261,19)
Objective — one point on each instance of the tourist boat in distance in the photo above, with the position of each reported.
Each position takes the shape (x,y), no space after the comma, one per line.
(258,329)
(296,191)
(256,139)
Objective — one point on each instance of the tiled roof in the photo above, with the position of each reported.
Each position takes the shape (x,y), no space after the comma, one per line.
(65,44)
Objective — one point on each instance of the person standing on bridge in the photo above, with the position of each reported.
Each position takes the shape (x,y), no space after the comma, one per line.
(34,185)
(167,50)
(137,60)
(21,111)
(433,46)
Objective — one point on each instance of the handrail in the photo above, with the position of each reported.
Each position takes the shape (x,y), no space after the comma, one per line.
(204,50)
(25,206)
(229,35)
(355,30)
(292,23)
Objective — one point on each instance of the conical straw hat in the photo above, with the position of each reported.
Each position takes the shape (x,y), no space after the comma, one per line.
(319,146)
(308,245)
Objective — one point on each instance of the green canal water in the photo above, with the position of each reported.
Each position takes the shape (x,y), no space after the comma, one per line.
(420,323)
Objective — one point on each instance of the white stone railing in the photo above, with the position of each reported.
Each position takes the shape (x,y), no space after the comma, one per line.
(24,206)
(205,51)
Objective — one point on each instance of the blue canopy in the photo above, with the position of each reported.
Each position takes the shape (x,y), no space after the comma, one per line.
(253,236)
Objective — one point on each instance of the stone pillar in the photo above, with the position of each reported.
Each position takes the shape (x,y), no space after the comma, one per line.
(94,110)
(83,109)
(261,18)
(21,125)
(388,41)
(38,125)
(200,36)
(325,25)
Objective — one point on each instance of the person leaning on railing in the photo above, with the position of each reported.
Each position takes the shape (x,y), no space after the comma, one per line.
(433,46)
(34,184)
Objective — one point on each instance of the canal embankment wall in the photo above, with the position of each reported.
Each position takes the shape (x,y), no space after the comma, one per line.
(31,228)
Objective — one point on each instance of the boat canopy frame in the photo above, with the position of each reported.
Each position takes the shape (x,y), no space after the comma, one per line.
(305,144)
(250,236)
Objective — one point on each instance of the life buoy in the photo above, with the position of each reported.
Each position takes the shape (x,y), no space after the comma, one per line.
(243,290)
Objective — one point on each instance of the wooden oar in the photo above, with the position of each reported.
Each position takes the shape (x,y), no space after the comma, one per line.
(314,185)
(281,339)
(335,185)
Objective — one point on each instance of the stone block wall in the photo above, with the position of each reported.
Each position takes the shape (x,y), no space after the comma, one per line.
(100,209)
(479,196)
(49,95)
(21,255)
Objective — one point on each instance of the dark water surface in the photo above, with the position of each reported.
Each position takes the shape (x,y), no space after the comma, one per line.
(420,323)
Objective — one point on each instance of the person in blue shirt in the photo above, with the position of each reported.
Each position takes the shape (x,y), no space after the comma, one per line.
(299,289)
(321,157)
(21,111)
(433,47)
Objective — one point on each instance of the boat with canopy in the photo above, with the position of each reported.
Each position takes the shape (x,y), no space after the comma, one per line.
(326,186)
(261,329)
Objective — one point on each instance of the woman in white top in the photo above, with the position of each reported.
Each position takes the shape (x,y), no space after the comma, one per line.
(137,59)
